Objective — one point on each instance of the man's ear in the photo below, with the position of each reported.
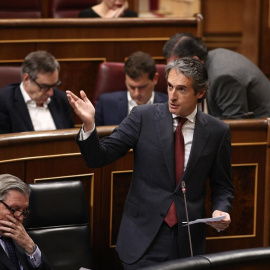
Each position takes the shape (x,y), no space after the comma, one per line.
(26,80)
(196,57)
(155,79)
(201,94)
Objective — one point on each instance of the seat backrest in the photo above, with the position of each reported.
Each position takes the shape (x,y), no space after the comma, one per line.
(59,224)
(111,78)
(9,74)
(68,8)
(20,9)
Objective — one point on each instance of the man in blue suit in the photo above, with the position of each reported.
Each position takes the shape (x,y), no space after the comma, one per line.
(145,237)
(141,78)
(35,103)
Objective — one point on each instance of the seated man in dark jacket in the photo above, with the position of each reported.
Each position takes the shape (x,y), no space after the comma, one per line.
(35,103)
(141,78)
(17,249)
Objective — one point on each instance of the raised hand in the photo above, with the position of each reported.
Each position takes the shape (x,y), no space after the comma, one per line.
(83,108)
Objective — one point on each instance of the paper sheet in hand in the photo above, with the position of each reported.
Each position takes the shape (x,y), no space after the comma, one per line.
(204,220)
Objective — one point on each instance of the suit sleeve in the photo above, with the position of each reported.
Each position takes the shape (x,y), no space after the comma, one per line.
(230,96)
(98,153)
(222,190)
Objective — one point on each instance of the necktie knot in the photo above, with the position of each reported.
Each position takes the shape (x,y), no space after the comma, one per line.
(181,121)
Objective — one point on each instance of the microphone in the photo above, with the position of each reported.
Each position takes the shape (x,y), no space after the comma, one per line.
(183,186)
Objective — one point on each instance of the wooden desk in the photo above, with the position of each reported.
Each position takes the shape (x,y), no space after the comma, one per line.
(54,156)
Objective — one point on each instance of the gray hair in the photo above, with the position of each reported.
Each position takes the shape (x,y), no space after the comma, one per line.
(39,61)
(10,182)
(193,69)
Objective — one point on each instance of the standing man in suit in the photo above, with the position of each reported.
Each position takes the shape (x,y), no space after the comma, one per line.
(145,236)
(141,78)
(35,103)
(238,88)
(14,200)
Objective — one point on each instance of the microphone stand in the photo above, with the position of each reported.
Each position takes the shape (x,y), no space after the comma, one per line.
(183,185)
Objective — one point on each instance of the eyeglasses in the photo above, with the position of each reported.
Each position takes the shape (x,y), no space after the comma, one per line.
(46,87)
(16,213)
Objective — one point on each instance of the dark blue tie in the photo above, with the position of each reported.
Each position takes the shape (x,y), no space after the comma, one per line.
(11,251)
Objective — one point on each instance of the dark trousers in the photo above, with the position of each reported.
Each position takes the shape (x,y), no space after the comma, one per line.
(163,248)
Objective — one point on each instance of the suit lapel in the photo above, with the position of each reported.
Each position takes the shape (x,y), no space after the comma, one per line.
(165,132)
(55,116)
(200,138)
(22,109)
(5,259)
(122,106)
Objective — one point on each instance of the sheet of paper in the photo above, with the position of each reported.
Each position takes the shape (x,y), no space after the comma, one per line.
(204,220)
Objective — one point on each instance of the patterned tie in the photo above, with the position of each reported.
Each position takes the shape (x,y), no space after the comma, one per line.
(179,156)
(11,252)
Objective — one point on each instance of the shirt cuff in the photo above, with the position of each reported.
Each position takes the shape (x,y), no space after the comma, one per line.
(35,258)
(84,135)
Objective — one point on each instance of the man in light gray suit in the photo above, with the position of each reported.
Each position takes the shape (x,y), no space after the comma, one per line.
(238,88)
(145,237)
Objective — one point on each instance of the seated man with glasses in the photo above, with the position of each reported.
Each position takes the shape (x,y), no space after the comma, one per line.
(35,103)
(17,250)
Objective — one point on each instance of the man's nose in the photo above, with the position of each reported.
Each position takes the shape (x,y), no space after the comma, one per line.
(173,94)
(136,91)
(50,92)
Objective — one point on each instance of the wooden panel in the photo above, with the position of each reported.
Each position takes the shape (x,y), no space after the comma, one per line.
(233,25)
(265,38)
(54,155)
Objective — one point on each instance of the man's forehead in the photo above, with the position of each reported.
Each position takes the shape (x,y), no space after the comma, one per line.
(177,77)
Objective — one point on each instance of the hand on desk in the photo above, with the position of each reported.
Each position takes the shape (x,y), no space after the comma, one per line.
(222,224)
(83,108)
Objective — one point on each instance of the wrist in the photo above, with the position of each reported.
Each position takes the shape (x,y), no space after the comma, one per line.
(32,249)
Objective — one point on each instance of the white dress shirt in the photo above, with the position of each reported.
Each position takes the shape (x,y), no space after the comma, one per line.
(132,103)
(40,115)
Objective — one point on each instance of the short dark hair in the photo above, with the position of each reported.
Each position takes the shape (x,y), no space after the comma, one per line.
(192,68)
(39,61)
(185,45)
(139,63)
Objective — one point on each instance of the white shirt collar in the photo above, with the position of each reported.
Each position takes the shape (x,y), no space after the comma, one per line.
(190,117)
(131,101)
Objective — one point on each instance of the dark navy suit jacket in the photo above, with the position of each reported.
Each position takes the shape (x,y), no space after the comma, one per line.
(14,115)
(112,108)
(5,263)
(148,130)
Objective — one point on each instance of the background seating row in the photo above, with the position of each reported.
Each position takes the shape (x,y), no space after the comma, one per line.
(110,78)
(37,8)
